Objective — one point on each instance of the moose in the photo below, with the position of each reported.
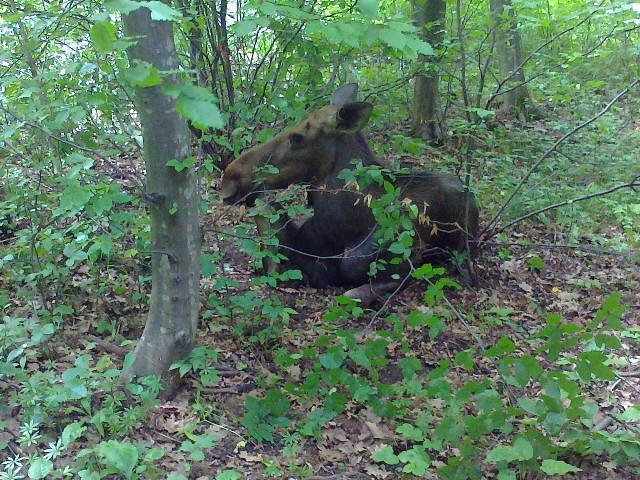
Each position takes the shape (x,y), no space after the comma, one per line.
(338,243)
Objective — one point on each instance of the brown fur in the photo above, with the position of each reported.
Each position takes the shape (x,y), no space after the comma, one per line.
(337,244)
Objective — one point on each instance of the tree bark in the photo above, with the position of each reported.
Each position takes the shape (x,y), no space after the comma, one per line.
(428,122)
(173,198)
(509,52)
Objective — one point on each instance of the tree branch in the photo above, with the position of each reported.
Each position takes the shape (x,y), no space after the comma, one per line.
(547,154)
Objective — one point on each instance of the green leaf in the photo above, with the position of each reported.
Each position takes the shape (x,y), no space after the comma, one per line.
(129,358)
(332,359)
(393,38)
(247,26)
(535,263)
(162,12)
(506,474)
(481,112)
(368,8)
(502,453)
(123,6)
(416,459)
(464,358)
(318,418)
(229,475)
(40,468)
(71,433)
(103,37)
(557,467)
(631,414)
(504,346)
(119,456)
(198,105)
(142,74)
(385,455)
(153,454)
(554,422)
(410,432)
(523,449)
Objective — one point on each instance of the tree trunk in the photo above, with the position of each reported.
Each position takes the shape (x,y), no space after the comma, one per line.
(428,123)
(173,202)
(509,51)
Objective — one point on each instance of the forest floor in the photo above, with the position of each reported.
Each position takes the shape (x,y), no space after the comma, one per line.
(512,298)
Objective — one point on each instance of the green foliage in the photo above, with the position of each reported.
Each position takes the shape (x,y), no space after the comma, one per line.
(264,415)
(200,361)
(74,238)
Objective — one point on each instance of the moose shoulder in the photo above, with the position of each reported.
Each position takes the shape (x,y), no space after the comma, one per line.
(337,244)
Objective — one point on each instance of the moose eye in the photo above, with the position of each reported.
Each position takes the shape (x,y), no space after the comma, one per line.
(296,140)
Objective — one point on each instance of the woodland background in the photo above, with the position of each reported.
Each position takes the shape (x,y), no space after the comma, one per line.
(531,374)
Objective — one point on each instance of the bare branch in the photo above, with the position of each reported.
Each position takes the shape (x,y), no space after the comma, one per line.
(633,184)
(546,155)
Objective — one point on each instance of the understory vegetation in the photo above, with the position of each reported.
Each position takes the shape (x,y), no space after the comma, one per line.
(531,372)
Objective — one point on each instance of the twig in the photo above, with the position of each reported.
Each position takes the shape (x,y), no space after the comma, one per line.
(69,143)
(585,248)
(546,155)
(108,346)
(223,427)
(635,183)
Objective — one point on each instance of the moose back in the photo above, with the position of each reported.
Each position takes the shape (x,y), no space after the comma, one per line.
(337,244)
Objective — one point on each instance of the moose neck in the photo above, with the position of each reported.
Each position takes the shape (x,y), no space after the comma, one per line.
(348,147)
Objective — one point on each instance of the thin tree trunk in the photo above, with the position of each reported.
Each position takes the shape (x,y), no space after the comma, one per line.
(173,202)
(509,52)
(428,123)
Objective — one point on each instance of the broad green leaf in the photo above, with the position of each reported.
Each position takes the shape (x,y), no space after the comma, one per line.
(269,9)
(103,37)
(417,45)
(123,6)
(535,263)
(196,104)
(142,74)
(153,454)
(393,38)
(557,467)
(523,449)
(71,433)
(162,12)
(416,459)
(40,468)
(506,475)
(129,358)
(363,392)
(368,8)
(464,358)
(481,112)
(502,453)
(385,455)
(332,359)
(120,456)
(229,475)
(554,422)
(410,432)
(631,414)
(245,27)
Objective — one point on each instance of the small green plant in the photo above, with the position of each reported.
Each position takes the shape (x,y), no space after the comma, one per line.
(264,415)
(200,361)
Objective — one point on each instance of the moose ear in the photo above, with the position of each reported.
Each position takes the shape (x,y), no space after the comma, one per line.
(346,94)
(353,116)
